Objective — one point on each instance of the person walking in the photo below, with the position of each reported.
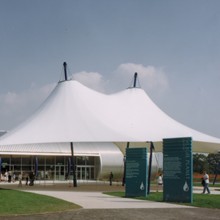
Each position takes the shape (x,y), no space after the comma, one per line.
(110,178)
(32,178)
(159,182)
(205,183)
(20,179)
(27,179)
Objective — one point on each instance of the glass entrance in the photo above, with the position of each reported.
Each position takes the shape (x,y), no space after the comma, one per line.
(59,172)
(50,168)
(85,172)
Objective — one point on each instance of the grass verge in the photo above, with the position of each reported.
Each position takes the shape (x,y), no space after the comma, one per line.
(13,202)
(199,200)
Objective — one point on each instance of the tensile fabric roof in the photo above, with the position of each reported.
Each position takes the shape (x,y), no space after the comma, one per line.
(76,113)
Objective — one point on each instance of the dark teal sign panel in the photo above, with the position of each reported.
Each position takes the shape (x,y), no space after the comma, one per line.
(177,170)
(136,172)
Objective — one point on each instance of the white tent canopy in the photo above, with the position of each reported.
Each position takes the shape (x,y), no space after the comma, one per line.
(75,113)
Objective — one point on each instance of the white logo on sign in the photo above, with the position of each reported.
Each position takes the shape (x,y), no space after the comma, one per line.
(186,187)
(142,186)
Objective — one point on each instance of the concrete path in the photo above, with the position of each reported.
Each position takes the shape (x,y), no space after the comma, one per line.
(98,200)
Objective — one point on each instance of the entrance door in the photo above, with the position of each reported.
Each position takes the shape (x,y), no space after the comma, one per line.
(85,172)
(59,172)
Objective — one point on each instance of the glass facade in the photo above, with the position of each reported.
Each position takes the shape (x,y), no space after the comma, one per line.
(50,167)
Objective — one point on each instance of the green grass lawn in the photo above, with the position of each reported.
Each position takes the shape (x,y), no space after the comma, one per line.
(13,202)
(199,200)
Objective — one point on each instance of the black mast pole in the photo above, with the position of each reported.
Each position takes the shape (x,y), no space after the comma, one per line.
(73,166)
(135,80)
(124,174)
(150,166)
(65,72)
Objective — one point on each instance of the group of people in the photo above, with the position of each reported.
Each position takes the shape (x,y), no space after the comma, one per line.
(29,179)
(205,182)
(7,176)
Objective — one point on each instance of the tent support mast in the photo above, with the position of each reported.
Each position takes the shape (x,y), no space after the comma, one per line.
(65,72)
(36,166)
(150,166)
(73,166)
(135,80)
(124,174)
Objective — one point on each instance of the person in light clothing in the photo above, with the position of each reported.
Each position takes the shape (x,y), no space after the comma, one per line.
(206,183)
(159,182)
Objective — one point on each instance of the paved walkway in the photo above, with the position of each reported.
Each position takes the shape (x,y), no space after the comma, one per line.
(98,200)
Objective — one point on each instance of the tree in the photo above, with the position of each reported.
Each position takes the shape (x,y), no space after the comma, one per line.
(213,161)
(200,163)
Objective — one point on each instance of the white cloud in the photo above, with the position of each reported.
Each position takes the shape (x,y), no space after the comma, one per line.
(10,98)
(92,80)
(150,77)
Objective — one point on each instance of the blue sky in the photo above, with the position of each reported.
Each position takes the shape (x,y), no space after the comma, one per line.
(174,46)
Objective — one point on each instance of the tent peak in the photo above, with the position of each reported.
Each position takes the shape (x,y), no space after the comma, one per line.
(64,77)
(135,81)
